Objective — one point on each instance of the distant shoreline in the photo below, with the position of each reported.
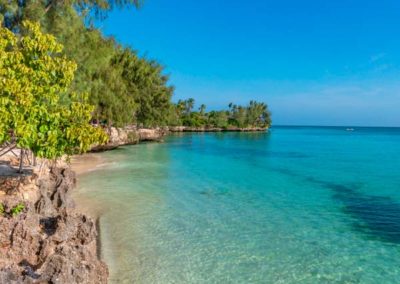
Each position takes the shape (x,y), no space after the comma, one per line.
(215,129)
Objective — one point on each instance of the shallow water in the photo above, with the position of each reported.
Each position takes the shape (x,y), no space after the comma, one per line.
(296,205)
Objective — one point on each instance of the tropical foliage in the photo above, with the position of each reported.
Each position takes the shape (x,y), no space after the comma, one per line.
(255,114)
(124,87)
(38,112)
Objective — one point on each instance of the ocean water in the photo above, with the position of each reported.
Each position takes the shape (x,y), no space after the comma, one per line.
(295,205)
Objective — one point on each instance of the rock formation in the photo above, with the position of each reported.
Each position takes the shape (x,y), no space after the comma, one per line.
(48,242)
(130,135)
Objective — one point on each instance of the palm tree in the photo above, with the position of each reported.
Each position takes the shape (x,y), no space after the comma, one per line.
(202,109)
(189,105)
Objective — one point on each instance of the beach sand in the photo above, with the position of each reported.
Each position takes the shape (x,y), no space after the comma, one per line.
(81,165)
(86,163)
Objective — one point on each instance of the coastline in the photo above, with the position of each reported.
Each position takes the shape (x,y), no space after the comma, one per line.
(53,235)
(82,165)
(131,135)
(216,129)
(85,163)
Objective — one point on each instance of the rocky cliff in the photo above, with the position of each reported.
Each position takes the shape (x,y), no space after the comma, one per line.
(130,135)
(44,240)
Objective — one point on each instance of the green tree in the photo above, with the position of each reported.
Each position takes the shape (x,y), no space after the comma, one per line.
(115,104)
(37,110)
(202,109)
(147,85)
(258,114)
(218,119)
(240,116)
(13,13)
(123,87)
(181,106)
(189,106)
(255,114)
(174,116)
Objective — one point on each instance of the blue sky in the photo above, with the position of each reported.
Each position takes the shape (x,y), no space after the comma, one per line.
(314,62)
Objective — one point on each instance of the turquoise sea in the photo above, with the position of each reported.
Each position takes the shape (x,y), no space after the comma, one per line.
(295,205)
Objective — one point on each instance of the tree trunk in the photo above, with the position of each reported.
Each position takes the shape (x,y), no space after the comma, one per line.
(21,161)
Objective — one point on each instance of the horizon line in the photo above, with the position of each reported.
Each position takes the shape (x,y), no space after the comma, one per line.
(313,125)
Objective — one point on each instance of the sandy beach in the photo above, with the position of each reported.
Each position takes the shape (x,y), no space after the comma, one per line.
(81,165)
(85,163)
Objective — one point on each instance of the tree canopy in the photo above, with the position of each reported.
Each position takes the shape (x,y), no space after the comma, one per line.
(14,12)
(38,112)
(255,114)
(124,87)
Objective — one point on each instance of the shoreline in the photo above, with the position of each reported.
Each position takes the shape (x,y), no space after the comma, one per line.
(174,129)
(131,135)
(81,165)
(85,163)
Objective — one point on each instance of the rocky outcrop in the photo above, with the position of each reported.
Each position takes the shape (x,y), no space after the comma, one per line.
(47,242)
(128,136)
(215,129)
(150,134)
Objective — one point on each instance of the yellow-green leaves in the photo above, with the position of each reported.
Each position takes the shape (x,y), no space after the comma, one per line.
(34,76)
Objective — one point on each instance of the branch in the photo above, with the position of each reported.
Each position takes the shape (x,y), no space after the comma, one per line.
(11,148)
(48,6)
